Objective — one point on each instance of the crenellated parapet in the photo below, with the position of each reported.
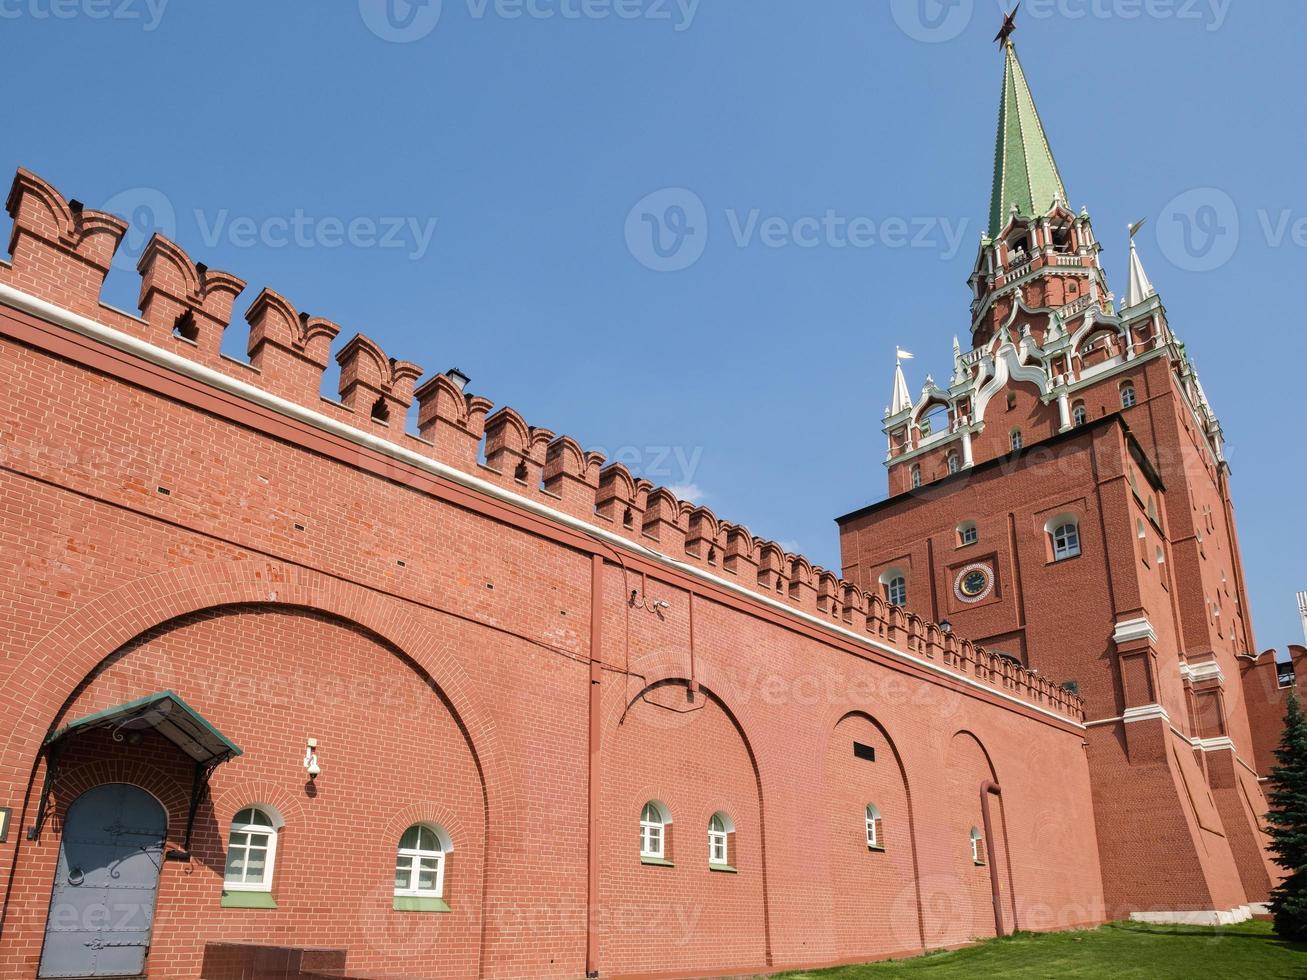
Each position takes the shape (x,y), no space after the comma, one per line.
(61,253)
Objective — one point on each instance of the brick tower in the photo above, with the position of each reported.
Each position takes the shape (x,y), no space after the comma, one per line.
(1064,500)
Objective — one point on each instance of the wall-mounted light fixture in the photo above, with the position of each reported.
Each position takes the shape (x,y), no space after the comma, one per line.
(311,759)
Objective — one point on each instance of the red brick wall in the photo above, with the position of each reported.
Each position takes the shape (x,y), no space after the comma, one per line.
(446,648)
(1267,702)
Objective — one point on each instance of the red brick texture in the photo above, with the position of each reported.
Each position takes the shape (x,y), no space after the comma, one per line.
(461,663)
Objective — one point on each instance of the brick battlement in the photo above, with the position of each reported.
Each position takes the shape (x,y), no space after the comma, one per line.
(61,253)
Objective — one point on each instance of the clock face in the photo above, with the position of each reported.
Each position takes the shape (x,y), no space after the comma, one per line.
(973,583)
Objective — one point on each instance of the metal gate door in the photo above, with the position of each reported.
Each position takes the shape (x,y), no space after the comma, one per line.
(102,904)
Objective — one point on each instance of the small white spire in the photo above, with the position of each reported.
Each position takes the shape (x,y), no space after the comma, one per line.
(957,347)
(901,401)
(1141,288)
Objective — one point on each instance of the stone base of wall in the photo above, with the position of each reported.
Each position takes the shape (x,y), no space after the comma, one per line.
(1215,917)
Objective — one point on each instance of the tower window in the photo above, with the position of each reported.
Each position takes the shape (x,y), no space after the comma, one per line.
(977,847)
(953,462)
(967,533)
(1017,440)
(916,476)
(1011,400)
(896,591)
(1128,397)
(1079,416)
(1066,539)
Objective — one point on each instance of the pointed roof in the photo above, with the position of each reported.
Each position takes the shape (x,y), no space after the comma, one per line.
(1025,174)
(1140,286)
(902,400)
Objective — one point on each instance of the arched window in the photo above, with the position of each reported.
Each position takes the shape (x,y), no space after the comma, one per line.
(1079,416)
(653,831)
(875,838)
(1128,398)
(251,850)
(1066,538)
(1017,440)
(896,588)
(953,464)
(720,828)
(977,847)
(420,862)
(967,533)
(916,476)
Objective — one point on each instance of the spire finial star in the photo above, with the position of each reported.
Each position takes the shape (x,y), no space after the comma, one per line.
(1009,26)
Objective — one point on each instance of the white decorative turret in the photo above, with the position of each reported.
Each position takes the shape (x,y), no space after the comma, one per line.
(1141,288)
(902,401)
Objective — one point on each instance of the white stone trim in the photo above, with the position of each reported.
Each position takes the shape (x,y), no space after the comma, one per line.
(1129,630)
(1221,744)
(1240,913)
(1145,712)
(1205,671)
(87,327)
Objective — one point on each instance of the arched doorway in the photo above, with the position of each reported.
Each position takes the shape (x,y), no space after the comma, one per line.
(105,885)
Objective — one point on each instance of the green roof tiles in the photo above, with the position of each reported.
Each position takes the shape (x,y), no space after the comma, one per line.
(1025,173)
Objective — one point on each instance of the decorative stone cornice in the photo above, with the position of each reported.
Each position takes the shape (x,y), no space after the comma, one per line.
(1132,630)
(1145,712)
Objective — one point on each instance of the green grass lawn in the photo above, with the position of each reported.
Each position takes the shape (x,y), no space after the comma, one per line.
(1123,949)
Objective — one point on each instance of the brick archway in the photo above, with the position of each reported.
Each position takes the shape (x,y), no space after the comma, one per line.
(50,673)
(716,684)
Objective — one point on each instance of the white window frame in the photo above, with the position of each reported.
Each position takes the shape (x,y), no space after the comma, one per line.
(1129,397)
(1066,540)
(977,839)
(250,829)
(953,463)
(414,856)
(1017,440)
(653,831)
(916,476)
(968,533)
(1079,414)
(896,591)
(720,828)
(872,815)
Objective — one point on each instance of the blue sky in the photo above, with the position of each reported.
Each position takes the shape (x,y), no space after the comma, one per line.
(458,187)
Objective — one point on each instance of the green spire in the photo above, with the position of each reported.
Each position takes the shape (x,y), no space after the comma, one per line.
(1025,173)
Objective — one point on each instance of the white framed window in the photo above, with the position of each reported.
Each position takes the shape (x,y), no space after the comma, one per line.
(1066,538)
(720,828)
(875,838)
(1017,440)
(1079,416)
(967,533)
(252,850)
(977,847)
(896,591)
(1128,397)
(420,862)
(653,831)
(953,464)
(916,476)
